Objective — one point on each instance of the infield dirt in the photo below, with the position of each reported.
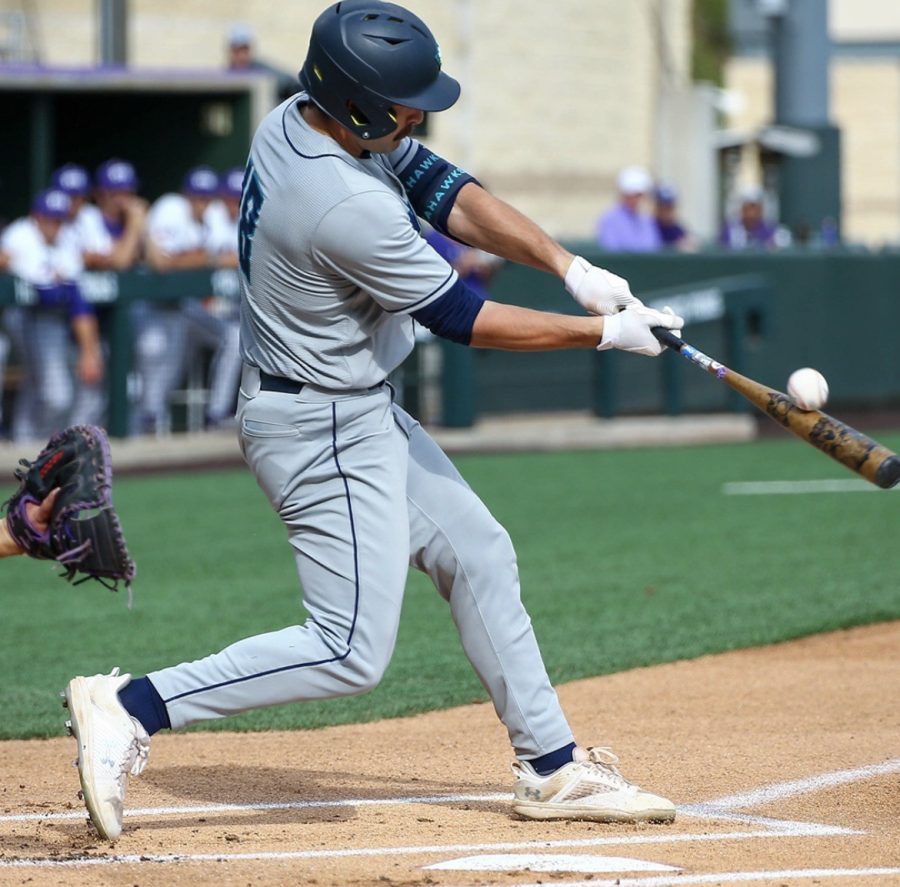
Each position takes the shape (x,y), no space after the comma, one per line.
(337,806)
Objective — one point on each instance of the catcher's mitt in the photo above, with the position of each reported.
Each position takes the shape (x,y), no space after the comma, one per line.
(84,534)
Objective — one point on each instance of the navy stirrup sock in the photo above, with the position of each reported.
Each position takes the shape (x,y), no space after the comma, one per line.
(141,701)
(552,761)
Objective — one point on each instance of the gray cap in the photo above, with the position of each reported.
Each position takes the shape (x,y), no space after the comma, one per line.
(240,35)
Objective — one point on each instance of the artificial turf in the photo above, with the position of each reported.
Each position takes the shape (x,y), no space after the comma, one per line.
(627,558)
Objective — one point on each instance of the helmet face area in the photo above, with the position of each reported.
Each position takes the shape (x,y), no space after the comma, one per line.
(366,56)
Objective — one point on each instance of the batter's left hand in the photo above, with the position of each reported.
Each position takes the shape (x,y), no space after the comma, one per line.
(597,290)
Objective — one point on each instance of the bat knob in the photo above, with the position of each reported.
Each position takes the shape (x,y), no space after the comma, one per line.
(888,473)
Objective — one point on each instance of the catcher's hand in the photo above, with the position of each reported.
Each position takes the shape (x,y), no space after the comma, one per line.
(83,532)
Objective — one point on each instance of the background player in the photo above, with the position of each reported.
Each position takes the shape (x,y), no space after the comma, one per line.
(215,323)
(111,229)
(40,254)
(334,270)
(175,240)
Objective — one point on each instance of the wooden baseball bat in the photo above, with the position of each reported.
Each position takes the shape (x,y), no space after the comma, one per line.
(844,444)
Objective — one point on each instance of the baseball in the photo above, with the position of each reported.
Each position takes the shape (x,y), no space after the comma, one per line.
(808,389)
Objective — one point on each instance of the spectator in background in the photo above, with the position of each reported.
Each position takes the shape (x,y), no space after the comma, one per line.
(242,59)
(214,323)
(111,230)
(176,233)
(36,252)
(672,233)
(625,227)
(109,235)
(175,239)
(751,230)
(75,181)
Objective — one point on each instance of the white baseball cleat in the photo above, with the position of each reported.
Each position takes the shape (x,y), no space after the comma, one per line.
(590,787)
(111,744)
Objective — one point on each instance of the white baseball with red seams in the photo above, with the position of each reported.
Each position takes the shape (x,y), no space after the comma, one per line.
(808,389)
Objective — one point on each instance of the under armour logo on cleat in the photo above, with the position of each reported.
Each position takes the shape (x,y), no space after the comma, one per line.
(533,794)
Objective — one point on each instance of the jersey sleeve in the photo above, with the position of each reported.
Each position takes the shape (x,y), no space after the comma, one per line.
(432,184)
(92,233)
(369,240)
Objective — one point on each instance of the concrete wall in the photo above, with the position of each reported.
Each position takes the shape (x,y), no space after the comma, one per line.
(557,96)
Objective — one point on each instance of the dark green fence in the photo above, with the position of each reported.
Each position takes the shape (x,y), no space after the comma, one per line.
(764,314)
(836,311)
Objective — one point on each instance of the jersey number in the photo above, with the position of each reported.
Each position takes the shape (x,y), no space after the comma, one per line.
(251,204)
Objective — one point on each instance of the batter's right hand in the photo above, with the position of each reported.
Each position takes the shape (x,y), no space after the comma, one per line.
(597,290)
(629,330)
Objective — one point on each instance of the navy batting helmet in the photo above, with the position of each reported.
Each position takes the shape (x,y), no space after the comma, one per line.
(366,56)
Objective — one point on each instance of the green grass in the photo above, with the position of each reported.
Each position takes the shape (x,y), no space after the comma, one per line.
(627,558)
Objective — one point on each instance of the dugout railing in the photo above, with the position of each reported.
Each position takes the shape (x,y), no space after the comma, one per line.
(113,295)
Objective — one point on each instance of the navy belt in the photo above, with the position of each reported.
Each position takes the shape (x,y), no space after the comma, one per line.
(268,382)
(279,383)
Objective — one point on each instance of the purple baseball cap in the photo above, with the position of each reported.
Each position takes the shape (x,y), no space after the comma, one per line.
(201,181)
(116,175)
(73,179)
(233,182)
(53,203)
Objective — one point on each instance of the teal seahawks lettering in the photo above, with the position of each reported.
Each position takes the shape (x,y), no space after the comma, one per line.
(420,171)
(432,183)
(445,187)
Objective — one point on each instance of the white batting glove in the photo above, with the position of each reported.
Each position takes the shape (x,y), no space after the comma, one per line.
(597,290)
(629,330)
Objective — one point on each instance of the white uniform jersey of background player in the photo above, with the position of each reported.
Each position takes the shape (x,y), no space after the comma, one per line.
(176,240)
(334,272)
(53,392)
(187,230)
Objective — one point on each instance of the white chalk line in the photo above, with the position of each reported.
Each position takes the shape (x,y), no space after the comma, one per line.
(722,877)
(262,806)
(798,487)
(795,827)
(783,790)
(443,849)
(715,809)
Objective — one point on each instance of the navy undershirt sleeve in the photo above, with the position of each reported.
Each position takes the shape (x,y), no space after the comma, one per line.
(452,316)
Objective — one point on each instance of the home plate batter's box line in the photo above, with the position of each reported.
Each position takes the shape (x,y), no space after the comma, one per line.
(438,849)
(682,880)
(711,809)
(790,828)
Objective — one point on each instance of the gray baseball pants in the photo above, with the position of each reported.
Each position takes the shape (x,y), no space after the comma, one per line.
(364,492)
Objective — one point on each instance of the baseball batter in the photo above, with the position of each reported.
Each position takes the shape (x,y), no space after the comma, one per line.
(335,274)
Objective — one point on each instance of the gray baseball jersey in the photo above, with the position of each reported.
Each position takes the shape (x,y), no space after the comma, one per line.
(333,264)
(332,257)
